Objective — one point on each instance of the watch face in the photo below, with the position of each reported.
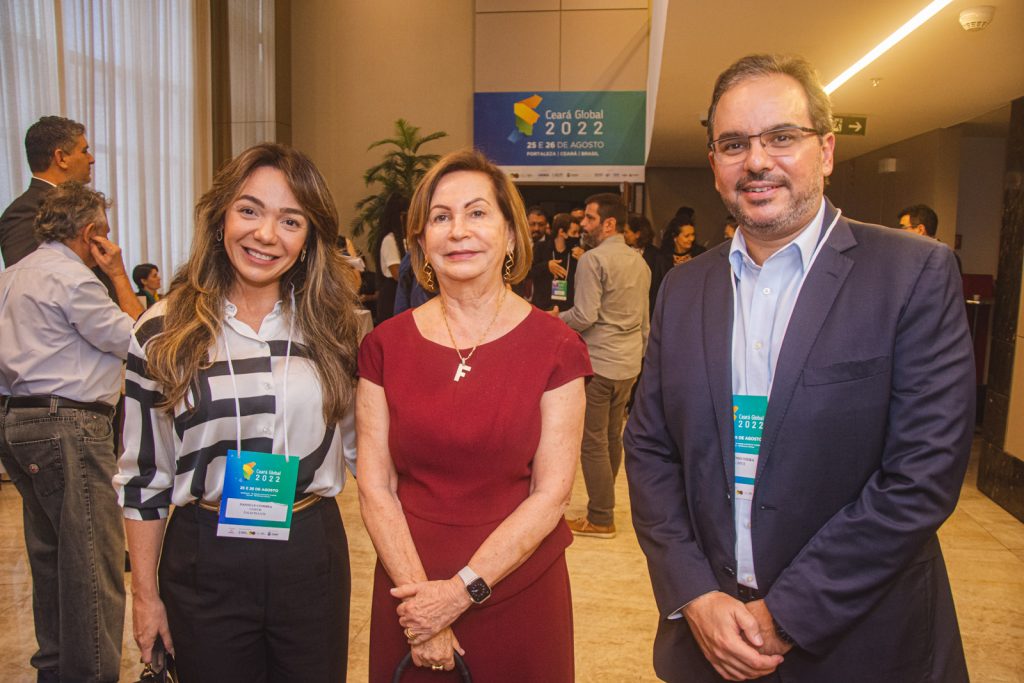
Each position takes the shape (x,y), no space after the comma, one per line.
(478,591)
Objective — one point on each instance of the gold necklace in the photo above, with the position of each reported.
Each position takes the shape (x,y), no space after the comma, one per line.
(463,368)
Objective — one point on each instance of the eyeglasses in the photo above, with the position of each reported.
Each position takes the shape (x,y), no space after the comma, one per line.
(776,142)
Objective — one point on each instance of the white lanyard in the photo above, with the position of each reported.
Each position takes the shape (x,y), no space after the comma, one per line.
(284,393)
(796,298)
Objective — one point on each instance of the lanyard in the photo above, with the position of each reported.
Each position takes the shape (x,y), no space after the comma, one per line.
(284,397)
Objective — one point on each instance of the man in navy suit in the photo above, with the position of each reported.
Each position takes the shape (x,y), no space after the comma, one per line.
(803,422)
(57,151)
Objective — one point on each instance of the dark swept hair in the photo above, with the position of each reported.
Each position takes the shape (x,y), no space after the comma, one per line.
(140,273)
(537,208)
(510,203)
(325,299)
(560,222)
(46,136)
(921,214)
(819,108)
(609,205)
(639,224)
(67,209)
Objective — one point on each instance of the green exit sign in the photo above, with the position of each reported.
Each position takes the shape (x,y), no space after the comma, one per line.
(849,125)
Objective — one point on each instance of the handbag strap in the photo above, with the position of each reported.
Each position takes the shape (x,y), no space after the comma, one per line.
(460,666)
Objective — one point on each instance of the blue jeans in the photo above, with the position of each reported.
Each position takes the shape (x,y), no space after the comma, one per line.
(62,463)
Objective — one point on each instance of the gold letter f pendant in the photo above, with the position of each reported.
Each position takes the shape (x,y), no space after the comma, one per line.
(461,371)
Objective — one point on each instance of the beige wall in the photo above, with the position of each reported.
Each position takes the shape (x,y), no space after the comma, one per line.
(358,66)
(960,177)
(561,45)
(670,188)
(928,172)
(980,202)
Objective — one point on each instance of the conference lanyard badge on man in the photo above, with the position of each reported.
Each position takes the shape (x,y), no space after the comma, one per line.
(259,490)
(747,424)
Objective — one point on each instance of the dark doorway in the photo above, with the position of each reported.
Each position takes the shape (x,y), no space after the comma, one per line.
(561,198)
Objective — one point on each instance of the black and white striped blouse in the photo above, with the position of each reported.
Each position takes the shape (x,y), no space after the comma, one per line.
(177,459)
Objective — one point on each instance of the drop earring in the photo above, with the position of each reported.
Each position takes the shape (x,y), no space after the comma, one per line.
(509,262)
(428,273)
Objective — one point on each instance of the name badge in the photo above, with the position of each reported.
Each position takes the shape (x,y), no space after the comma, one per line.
(747,427)
(257,498)
(559,290)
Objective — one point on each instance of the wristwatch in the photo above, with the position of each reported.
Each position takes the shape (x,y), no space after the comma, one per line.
(477,588)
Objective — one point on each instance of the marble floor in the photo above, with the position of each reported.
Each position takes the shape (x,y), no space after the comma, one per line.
(615,616)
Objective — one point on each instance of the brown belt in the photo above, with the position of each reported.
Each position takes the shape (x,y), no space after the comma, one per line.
(298,506)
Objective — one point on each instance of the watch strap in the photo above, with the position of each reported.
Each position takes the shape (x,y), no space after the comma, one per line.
(467,575)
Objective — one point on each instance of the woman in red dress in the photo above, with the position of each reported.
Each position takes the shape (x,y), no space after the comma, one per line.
(469,420)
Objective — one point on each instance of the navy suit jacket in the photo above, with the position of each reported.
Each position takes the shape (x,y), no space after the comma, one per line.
(17,239)
(865,444)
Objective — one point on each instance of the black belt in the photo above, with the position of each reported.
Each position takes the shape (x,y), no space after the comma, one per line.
(747,594)
(53,403)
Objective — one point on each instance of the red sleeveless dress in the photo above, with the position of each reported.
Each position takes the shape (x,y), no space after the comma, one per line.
(464,453)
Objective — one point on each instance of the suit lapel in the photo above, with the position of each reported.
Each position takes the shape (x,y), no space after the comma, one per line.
(717,316)
(817,295)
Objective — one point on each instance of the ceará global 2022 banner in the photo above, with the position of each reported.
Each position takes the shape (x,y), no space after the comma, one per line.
(566,137)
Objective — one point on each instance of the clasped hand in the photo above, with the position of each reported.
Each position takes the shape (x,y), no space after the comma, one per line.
(738,640)
(428,607)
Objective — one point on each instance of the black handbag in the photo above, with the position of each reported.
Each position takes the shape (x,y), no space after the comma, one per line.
(460,666)
(161,667)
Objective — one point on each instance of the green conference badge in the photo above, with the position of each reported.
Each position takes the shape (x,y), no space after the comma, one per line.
(259,490)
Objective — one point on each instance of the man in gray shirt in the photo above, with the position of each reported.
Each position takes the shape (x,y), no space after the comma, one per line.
(64,342)
(612,316)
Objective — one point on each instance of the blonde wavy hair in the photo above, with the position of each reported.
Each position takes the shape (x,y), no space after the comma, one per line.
(325,300)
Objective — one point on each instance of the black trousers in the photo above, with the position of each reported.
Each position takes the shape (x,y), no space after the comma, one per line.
(257,610)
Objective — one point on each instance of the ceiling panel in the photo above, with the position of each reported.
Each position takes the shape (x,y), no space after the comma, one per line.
(939,76)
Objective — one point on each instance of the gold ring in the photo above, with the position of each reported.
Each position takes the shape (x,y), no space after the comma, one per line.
(437,667)
(409,635)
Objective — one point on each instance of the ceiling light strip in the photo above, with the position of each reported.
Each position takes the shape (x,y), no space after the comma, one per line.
(902,32)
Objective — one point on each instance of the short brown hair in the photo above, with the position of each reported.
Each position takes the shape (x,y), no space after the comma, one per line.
(610,205)
(510,203)
(67,209)
(819,108)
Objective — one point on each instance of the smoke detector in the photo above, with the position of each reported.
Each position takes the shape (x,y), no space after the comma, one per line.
(977,18)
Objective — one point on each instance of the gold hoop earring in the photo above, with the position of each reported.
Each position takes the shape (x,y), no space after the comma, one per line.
(302,256)
(428,273)
(509,262)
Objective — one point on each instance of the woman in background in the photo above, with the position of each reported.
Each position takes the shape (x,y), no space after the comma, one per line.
(679,241)
(146,277)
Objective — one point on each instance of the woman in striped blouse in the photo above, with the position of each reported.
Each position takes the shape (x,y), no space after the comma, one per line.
(240,386)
